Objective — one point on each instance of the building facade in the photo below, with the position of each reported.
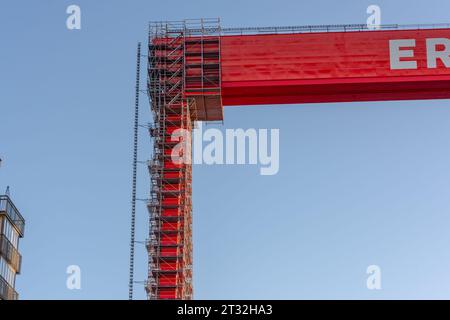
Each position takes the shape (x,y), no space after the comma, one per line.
(12,226)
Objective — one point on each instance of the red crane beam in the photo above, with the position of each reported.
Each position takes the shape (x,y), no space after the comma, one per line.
(335,67)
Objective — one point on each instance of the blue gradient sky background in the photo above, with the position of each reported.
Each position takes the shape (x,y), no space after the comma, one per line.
(359,183)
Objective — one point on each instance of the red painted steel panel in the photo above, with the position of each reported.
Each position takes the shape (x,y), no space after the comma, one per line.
(165,293)
(172,175)
(168,280)
(170,252)
(171,226)
(170,165)
(169,239)
(166,213)
(328,67)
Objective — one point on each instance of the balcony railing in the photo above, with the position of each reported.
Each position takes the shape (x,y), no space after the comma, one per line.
(10,253)
(6,291)
(7,207)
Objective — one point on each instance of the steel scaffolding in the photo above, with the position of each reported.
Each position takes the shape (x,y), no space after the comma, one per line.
(183,84)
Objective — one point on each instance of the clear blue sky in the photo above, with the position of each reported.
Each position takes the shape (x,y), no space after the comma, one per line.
(359,183)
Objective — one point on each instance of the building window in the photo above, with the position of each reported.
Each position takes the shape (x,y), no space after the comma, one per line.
(10,233)
(7,272)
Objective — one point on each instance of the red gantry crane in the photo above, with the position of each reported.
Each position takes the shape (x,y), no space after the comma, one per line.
(195,68)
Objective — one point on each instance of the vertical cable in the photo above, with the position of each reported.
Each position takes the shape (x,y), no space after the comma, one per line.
(133,192)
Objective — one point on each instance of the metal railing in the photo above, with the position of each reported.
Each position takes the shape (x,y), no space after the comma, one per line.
(330,28)
(185,26)
(7,207)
